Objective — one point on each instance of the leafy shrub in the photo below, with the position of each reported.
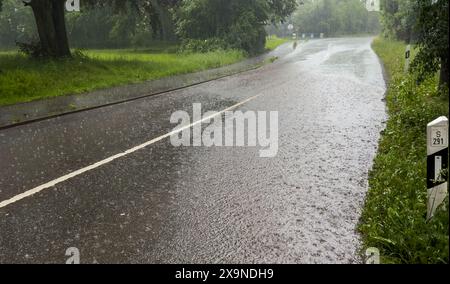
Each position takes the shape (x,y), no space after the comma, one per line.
(236,22)
(80,54)
(33,49)
(203,45)
(243,35)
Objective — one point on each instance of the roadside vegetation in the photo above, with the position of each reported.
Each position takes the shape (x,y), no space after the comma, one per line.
(336,18)
(273,42)
(112,43)
(25,79)
(394,218)
(46,31)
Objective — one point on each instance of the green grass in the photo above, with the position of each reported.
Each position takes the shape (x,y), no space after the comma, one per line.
(273,42)
(394,217)
(23,79)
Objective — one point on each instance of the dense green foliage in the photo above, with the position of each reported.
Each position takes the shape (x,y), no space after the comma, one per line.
(97,26)
(101,27)
(394,218)
(432,40)
(398,18)
(336,17)
(224,24)
(238,24)
(425,24)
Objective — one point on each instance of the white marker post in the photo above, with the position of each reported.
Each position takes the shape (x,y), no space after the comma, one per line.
(437,164)
(312,35)
(407,57)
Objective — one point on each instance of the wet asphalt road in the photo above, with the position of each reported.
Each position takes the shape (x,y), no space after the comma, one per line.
(164,204)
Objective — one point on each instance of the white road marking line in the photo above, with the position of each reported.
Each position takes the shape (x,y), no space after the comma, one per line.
(112,158)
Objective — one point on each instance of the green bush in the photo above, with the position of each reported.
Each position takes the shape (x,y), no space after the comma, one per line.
(245,36)
(336,18)
(238,23)
(203,45)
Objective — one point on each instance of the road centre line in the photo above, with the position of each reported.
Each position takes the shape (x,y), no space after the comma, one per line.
(71,175)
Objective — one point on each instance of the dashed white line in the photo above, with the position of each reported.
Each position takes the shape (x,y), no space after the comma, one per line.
(54,182)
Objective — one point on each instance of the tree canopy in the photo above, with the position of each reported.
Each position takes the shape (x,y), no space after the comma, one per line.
(425,24)
(116,23)
(238,23)
(336,17)
(398,19)
(432,39)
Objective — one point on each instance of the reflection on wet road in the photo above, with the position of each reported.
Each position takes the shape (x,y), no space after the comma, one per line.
(163,204)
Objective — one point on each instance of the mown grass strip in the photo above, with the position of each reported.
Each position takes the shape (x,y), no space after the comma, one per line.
(23,79)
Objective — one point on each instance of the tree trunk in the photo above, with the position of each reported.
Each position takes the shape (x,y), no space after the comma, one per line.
(167,26)
(167,32)
(444,75)
(51,26)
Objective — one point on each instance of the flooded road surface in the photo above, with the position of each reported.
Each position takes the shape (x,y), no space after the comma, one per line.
(166,204)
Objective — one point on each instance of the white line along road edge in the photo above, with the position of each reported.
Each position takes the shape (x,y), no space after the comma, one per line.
(54,182)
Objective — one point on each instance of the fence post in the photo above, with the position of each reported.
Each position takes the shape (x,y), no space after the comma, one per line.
(437,163)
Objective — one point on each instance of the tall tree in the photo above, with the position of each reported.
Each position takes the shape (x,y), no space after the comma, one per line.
(51,26)
(432,28)
(158,12)
(162,18)
(399,18)
(238,23)
(336,17)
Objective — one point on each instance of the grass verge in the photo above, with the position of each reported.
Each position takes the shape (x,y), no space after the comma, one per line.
(273,42)
(393,219)
(23,79)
